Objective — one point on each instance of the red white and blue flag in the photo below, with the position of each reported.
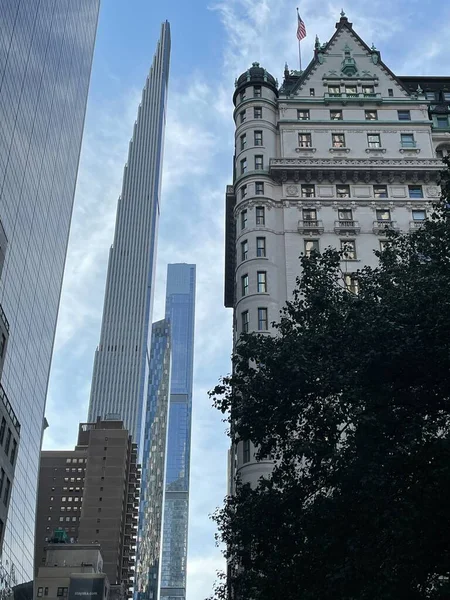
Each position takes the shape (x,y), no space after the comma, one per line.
(301,29)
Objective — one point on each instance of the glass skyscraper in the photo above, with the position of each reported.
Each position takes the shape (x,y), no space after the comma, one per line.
(120,378)
(46,50)
(153,465)
(180,312)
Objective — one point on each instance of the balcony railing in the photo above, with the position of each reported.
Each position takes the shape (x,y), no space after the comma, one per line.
(343,97)
(344,225)
(384,225)
(413,225)
(310,225)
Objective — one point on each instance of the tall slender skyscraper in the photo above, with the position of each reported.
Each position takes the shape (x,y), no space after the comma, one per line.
(180,312)
(120,378)
(46,51)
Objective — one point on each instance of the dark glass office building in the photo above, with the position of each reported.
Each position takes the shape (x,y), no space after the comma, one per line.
(153,465)
(46,49)
(120,377)
(180,312)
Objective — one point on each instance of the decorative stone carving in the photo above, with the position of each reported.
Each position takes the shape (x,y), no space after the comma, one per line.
(283,109)
(292,190)
(308,176)
(432,191)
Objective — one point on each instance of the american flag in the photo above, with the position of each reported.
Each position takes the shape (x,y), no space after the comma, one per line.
(301,29)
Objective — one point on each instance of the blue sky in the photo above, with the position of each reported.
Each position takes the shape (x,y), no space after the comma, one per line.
(212,43)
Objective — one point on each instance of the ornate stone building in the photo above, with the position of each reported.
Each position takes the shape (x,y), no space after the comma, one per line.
(344,151)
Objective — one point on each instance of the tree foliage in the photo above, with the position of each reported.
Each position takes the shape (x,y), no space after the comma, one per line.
(351,398)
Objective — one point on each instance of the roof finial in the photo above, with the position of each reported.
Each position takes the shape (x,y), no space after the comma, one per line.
(342,14)
(317,44)
(373,47)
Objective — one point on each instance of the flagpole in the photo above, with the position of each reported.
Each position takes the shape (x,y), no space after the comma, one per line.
(299,46)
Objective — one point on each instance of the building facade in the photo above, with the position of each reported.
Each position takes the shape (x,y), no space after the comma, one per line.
(91,493)
(120,378)
(340,154)
(180,312)
(153,465)
(46,51)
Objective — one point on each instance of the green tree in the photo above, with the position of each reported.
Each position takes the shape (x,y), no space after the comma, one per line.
(351,398)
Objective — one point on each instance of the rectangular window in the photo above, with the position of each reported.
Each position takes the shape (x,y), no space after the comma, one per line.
(8,441)
(2,480)
(303,115)
(345,215)
(259,164)
(242,95)
(442,121)
(338,140)
(258,138)
(243,141)
(262,319)
(334,90)
(243,192)
(348,247)
(259,188)
(446,96)
(407,140)
(260,247)
(257,112)
(371,115)
(262,281)
(419,215)
(430,95)
(245,321)
(304,140)
(368,90)
(246,451)
(383,214)
(312,92)
(415,191)
(351,283)
(336,115)
(390,92)
(46,591)
(404,115)
(260,215)
(6,494)
(343,191)
(380,191)
(308,191)
(40,592)
(351,90)
(2,347)
(244,250)
(13,452)
(243,166)
(2,430)
(373,140)
(62,592)
(257,91)
(242,116)
(311,246)
(309,214)
(244,284)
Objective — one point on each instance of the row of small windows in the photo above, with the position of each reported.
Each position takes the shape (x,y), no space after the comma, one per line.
(373,140)
(257,93)
(257,139)
(345,215)
(261,283)
(9,448)
(348,248)
(369,115)
(263,323)
(260,216)
(352,90)
(308,190)
(79,470)
(75,460)
(259,189)
(5,487)
(257,114)
(258,164)
(260,248)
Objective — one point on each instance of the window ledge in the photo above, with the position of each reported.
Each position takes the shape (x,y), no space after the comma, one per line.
(344,149)
(410,150)
(306,149)
(368,150)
